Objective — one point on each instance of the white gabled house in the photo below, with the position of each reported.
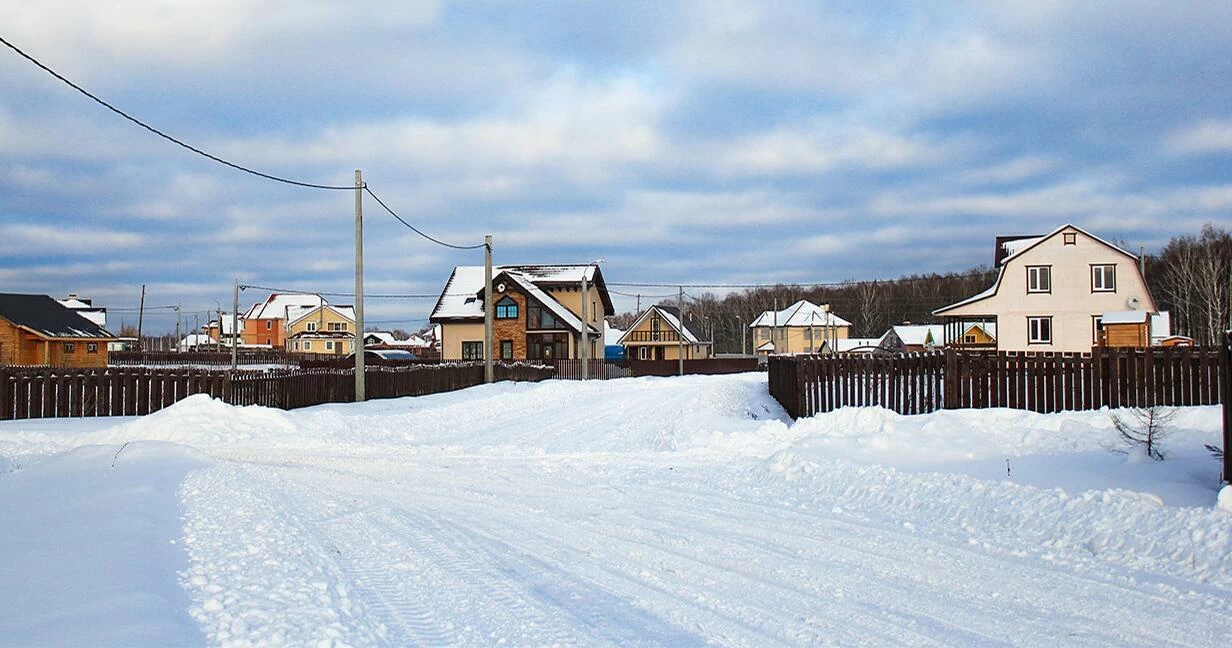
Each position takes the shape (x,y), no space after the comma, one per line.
(1051,294)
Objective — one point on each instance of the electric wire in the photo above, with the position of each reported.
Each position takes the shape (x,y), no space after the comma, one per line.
(163,135)
(416,229)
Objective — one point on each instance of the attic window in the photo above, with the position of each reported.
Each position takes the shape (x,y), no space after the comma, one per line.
(1071,238)
(91,347)
(69,347)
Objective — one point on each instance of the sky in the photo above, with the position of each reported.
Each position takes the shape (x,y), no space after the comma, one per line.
(692,142)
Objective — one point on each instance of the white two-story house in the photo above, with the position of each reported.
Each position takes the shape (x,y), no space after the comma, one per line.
(1052,293)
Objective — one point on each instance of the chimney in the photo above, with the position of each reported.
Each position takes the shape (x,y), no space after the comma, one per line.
(72,295)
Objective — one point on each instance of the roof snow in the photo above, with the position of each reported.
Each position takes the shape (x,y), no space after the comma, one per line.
(846,345)
(1124,317)
(460,299)
(275,306)
(296,313)
(918,334)
(47,317)
(612,336)
(801,313)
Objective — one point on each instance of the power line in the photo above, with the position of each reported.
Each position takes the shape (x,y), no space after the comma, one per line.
(164,135)
(797,284)
(347,294)
(416,229)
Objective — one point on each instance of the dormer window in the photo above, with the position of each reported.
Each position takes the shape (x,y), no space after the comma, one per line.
(507,308)
(1070,238)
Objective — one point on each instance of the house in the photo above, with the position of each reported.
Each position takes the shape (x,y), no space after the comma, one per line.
(912,338)
(1051,292)
(799,328)
(538,312)
(656,335)
(196,342)
(386,340)
(86,309)
(320,328)
(222,330)
(38,330)
(265,323)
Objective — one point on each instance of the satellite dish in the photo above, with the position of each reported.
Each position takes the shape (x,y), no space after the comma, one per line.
(1133,303)
(500,287)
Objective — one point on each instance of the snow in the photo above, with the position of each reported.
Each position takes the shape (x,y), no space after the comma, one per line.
(801,313)
(1124,317)
(642,511)
(920,334)
(460,298)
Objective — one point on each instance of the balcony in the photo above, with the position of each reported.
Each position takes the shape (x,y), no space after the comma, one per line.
(653,336)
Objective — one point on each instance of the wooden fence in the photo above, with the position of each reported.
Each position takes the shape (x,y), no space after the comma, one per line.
(207,358)
(691,367)
(27,393)
(596,369)
(1042,382)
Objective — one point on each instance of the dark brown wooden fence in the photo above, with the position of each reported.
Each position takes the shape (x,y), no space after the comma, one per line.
(596,369)
(27,393)
(691,367)
(1042,382)
(1226,396)
(208,358)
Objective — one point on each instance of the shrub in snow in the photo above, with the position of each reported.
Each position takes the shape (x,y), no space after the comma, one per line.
(1142,430)
(8,465)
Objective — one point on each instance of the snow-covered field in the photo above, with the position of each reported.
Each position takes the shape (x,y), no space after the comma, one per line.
(651,511)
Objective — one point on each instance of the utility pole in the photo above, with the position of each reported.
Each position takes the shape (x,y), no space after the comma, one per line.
(774,328)
(358,346)
(743,329)
(584,351)
(488,309)
(235,336)
(140,317)
(680,331)
(177,326)
(639,304)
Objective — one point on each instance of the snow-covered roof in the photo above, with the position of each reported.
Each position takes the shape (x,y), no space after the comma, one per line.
(275,306)
(197,339)
(988,327)
(1124,317)
(801,313)
(227,329)
(767,346)
(612,336)
(386,338)
(847,345)
(918,334)
(461,297)
(87,310)
(1017,245)
(296,313)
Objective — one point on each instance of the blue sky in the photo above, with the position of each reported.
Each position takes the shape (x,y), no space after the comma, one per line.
(740,142)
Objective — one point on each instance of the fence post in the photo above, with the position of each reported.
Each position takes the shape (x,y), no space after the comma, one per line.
(1225,389)
(949,399)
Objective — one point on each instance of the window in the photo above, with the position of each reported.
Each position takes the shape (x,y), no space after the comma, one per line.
(69,347)
(312,327)
(472,350)
(269,325)
(1071,238)
(1097,330)
(91,347)
(1039,279)
(655,325)
(547,346)
(969,338)
(643,353)
(538,318)
(594,308)
(507,348)
(337,326)
(329,346)
(507,309)
(1103,278)
(307,345)
(1039,330)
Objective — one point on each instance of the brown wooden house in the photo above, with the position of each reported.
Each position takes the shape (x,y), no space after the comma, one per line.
(38,330)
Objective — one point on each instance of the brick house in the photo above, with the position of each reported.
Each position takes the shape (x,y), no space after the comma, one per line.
(265,324)
(38,330)
(538,312)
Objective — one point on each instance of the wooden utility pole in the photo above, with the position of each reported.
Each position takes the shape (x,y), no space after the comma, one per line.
(178,337)
(680,331)
(358,345)
(235,319)
(584,350)
(488,309)
(140,317)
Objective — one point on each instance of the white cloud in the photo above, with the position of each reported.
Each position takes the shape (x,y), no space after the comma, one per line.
(27,240)
(1207,136)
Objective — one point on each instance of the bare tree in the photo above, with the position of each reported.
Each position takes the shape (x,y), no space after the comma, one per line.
(1144,429)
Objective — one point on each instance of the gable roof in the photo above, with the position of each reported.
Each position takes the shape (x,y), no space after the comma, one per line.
(671,315)
(801,313)
(47,317)
(1017,246)
(297,313)
(275,306)
(462,299)
(918,334)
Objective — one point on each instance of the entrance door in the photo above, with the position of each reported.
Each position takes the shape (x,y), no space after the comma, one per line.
(660,353)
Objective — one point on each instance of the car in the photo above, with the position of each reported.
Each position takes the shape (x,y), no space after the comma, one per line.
(385,354)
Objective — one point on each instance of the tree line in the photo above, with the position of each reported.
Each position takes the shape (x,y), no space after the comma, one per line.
(1191,277)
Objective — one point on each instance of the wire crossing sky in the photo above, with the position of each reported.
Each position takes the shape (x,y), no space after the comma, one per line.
(712,144)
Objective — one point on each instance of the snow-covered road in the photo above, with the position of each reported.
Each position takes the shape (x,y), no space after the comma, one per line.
(654,512)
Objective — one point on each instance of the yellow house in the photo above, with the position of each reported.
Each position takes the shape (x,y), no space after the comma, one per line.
(321,329)
(538,312)
(656,335)
(799,328)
